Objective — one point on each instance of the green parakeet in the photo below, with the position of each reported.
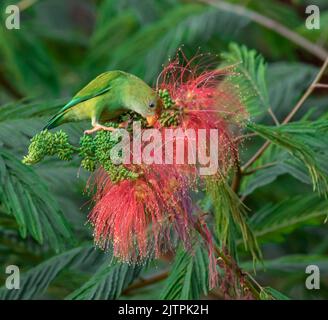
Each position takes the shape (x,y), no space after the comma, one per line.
(108,96)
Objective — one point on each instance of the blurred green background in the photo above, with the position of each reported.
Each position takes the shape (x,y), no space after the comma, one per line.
(62,45)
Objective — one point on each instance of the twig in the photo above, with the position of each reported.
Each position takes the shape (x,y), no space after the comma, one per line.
(216,294)
(292,113)
(267,165)
(257,155)
(25,4)
(236,179)
(321,85)
(245,136)
(146,282)
(273,116)
(245,278)
(271,24)
(307,93)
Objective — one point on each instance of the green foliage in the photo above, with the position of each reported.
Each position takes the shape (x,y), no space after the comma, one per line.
(187,24)
(287,82)
(45,143)
(25,196)
(287,139)
(249,76)
(28,109)
(295,263)
(29,74)
(107,283)
(274,220)
(64,44)
(268,293)
(230,214)
(36,281)
(94,151)
(189,275)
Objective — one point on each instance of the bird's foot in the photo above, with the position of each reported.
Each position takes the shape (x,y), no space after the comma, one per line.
(124,124)
(99,127)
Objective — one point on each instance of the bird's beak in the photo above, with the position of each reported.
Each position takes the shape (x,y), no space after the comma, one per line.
(151,120)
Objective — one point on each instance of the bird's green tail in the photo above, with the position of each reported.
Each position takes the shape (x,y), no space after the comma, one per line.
(55,121)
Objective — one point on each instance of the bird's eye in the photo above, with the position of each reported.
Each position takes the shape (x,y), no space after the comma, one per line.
(151,105)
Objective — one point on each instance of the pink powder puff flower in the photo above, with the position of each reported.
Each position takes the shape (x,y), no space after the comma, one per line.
(147,216)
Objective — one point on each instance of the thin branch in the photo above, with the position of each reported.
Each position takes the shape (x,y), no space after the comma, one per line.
(292,113)
(243,277)
(146,282)
(267,165)
(257,155)
(321,85)
(271,24)
(245,136)
(307,93)
(236,179)
(216,295)
(273,116)
(25,4)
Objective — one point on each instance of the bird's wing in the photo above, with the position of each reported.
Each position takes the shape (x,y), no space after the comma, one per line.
(96,87)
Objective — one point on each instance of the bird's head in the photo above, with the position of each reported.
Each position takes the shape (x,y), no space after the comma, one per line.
(154,109)
(147,103)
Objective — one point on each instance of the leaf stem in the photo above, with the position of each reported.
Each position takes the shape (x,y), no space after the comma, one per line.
(146,282)
(267,165)
(243,277)
(273,116)
(321,85)
(25,4)
(245,136)
(292,113)
(307,92)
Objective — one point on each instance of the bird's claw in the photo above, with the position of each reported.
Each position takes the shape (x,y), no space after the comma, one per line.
(125,124)
(98,128)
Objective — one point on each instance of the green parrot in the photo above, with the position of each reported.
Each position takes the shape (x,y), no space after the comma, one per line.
(107,97)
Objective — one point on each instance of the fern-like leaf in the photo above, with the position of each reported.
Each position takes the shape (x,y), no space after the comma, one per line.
(249,76)
(189,275)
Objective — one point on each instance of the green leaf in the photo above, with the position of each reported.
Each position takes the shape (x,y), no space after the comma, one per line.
(34,282)
(230,214)
(188,278)
(268,293)
(30,109)
(286,136)
(107,283)
(25,197)
(108,34)
(280,218)
(188,24)
(31,70)
(287,82)
(279,161)
(249,76)
(274,163)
